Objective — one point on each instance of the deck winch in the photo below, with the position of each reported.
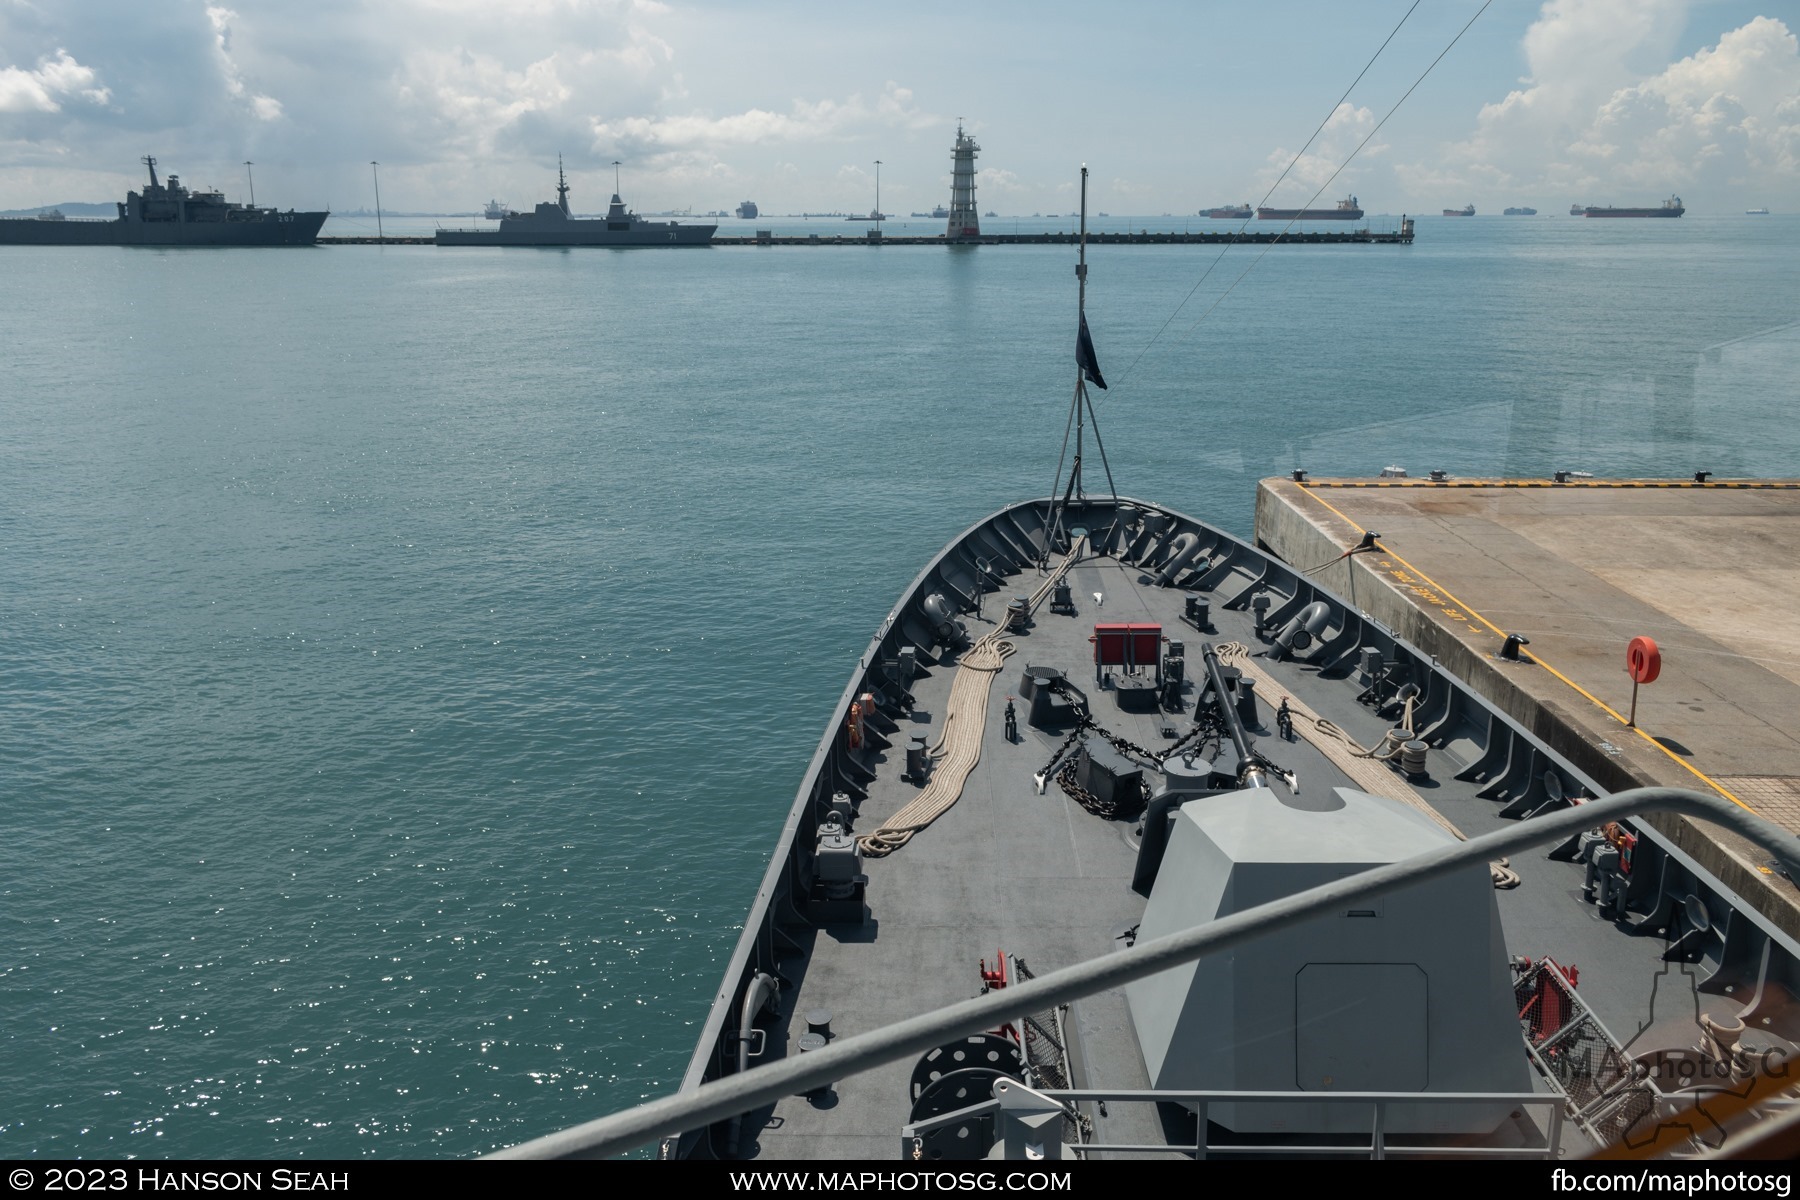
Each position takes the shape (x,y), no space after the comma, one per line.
(838,882)
(1051,701)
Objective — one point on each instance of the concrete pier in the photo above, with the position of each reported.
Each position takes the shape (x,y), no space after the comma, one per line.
(1710,571)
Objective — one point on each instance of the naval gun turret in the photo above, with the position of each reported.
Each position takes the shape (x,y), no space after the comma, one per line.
(1409,992)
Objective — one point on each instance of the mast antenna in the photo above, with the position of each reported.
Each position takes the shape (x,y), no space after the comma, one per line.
(1081,408)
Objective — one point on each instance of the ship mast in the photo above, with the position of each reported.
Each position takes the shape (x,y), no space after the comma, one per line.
(1081,408)
(562,187)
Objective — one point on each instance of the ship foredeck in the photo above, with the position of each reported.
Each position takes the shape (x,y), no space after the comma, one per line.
(1009,871)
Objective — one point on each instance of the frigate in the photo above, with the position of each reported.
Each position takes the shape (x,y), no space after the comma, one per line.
(1126,839)
(552,224)
(168,215)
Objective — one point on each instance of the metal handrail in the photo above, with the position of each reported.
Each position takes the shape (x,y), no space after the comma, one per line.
(1378,1146)
(735,1095)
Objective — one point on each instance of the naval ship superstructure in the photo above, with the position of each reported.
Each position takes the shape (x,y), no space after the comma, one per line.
(1126,839)
(552,224)
(170,215)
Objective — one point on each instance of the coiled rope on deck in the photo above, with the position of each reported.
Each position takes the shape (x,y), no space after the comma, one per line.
(1366,767)
(958,745)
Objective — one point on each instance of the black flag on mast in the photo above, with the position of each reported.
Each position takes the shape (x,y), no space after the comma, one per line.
(1084,356)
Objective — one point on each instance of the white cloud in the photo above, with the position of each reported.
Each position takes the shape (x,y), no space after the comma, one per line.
(1347,126)
(264,108)
(804,122)
(1594,124)
(998,181)
(472,97)
(1731,110)
(58,78)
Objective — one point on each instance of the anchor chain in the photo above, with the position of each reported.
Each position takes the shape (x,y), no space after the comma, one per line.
(1105,810)
(1149,758)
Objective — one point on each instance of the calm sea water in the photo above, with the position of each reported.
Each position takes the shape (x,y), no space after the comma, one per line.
(407,656)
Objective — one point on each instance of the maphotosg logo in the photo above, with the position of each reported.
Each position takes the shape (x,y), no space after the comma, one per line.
(1696,1071)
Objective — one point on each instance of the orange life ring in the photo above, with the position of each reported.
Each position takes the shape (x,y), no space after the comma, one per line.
(1643,660)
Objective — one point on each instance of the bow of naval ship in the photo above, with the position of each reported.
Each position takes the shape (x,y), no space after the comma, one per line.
(1543,1002)
(1128,839)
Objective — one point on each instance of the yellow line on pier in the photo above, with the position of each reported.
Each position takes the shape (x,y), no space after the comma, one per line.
(1539,660)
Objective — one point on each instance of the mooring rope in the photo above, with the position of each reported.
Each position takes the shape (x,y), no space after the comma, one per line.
(958,746)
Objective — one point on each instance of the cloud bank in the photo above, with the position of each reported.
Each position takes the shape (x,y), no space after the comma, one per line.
(463,99)
(1720,125)
(454,97)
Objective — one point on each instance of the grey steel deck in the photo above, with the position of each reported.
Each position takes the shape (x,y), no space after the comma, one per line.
(1041,878)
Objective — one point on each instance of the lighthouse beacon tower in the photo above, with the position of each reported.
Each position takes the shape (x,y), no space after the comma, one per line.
(965,224)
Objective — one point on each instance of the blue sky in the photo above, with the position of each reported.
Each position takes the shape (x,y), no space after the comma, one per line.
(1174,106)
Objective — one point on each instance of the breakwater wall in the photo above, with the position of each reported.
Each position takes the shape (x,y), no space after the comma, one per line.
(1352,237)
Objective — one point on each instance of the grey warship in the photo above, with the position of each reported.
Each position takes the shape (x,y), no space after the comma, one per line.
(1126,839)
(551,224)
(170,215)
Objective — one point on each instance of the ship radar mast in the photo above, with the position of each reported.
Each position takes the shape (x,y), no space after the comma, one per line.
(562,187)
(616,181)
(1081,408)
(150,161)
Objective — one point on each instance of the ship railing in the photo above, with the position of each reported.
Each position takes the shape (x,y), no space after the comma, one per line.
(670,1117)
(1013,1106)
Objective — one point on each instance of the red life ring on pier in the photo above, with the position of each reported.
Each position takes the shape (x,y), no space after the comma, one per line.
(1643,660)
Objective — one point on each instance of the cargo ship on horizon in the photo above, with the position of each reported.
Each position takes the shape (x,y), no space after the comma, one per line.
(1669,208)
(1460,212)
(1229,212)
(168,215)
(1348,209)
